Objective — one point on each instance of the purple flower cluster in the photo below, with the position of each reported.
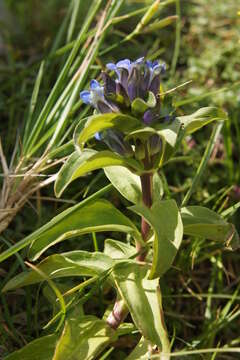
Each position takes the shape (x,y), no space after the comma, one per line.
(123,83)
(133,80)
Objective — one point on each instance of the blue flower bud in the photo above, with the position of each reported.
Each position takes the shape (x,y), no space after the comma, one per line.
(155,144)
(120,90)
(133,84)
(122,69)
(134,79)
(148,117)
(155,70)
(155,85)
(114,139)
(109,84)
(169,118)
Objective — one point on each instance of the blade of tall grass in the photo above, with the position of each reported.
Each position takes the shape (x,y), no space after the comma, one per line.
(205,95)
(202,166)
(81,76)
(230,211)
(55,289)
(27,146)
(73,20)
(25,242)
(82,73)
(33,101)
(62,30)
(177,39)
(199,352)
(150,12)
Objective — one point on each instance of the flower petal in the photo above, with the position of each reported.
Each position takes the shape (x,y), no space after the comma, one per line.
(98,136)
(94,84)
(149,64)
(111,66)
(155,85)
(86,97)
(155,63)
(126,63)
(139,60)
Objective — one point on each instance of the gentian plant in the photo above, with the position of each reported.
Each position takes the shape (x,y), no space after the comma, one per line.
(133,134)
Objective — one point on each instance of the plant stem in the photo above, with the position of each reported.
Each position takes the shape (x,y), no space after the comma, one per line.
(120,310)
(146,184)
(166,348)
(118,314)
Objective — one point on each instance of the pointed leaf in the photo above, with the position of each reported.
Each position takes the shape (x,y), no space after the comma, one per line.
(29,239)
(100,122)
(140,295)
(141,351)
(143,133)
(127,183)
(156,25)
(74,263)
(139,106)
(98,215)
(117,249)
(165,219)
(83,338)
(170,132)
(69,168)
(200,118)
(201,221)
(157,185)
(39,349)
(88,160)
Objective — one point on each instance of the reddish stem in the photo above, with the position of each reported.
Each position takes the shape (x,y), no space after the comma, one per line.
(146,183)
(120,310)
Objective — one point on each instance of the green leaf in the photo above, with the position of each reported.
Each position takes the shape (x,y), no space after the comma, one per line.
(141,349)
(209,148)
(200,118)
(170,135)
(83,338)
(127,183)
(100,122)
(142,134)
(139,106)
(156,25)
(118,250)
(27,241)
(158,190)
(201,221)
(140,295)
(74,263)
(69,168)
(39,349)
(96,216)
(169,132)
(81,163)
(165,219)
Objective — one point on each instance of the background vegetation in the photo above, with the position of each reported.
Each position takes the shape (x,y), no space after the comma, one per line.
(201,292)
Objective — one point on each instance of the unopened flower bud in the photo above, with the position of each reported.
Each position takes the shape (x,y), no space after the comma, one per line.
(115,141)
(155,144)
